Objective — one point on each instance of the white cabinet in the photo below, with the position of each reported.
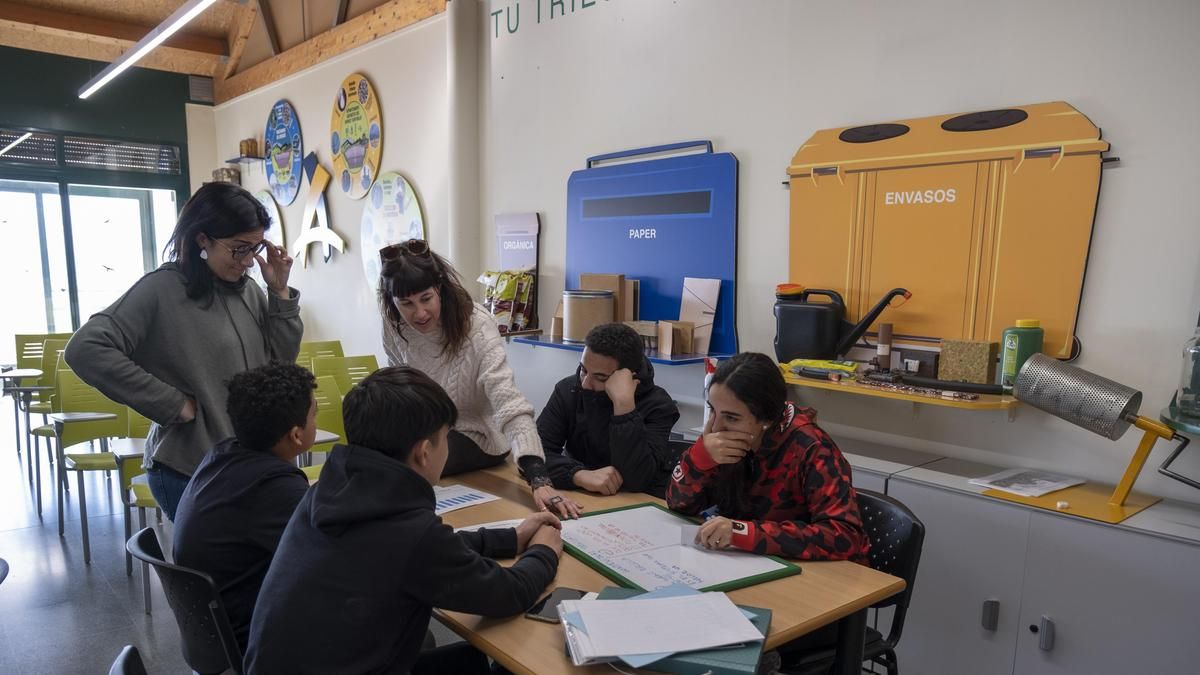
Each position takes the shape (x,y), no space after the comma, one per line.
(974,552)
(1119,601)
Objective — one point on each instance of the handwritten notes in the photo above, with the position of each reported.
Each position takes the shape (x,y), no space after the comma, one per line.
(644,545)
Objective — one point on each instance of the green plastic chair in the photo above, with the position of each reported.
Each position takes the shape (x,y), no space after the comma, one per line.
(347,371)
(30,348)
(40,403)
(139,425)
(134,495)
(73,395)
(313,349)
(329,413)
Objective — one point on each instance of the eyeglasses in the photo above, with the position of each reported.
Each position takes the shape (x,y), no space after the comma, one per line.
(413,247)
(240,252)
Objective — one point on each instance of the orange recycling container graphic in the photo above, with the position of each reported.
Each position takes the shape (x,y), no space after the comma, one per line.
(985,217)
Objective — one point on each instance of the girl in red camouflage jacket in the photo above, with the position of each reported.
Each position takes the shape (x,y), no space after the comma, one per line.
(765,476)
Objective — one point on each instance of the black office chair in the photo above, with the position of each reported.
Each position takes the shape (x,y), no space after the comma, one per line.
(3,570)
(896,539)
(209,646)
(129,662)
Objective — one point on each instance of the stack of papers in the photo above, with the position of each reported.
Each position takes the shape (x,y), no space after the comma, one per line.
(653,626)
(1026,482)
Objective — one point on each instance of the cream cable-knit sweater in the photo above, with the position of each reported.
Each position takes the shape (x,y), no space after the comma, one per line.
(491,410)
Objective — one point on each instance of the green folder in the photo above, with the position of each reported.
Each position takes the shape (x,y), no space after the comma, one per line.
(726,661)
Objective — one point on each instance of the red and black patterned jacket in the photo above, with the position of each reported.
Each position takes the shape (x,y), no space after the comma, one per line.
(801,502)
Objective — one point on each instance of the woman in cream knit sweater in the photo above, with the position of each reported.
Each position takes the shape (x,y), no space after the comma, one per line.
(431,323)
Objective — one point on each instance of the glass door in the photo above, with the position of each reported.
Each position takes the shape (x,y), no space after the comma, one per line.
(33,262)
(117,235)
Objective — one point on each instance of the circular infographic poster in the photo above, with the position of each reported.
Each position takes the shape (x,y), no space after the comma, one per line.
(356,136)
(274,233)
(285,152)
(391,215)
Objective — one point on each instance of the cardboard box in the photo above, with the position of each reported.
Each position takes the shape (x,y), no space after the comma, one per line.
(675,337)
(607,282)
(968,361)
(556,324)
(632,288)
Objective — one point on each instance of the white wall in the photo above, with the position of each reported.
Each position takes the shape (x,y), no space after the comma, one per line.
(759,77)
(408,71)
(202,143)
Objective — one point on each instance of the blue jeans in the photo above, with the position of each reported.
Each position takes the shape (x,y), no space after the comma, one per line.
(167,485)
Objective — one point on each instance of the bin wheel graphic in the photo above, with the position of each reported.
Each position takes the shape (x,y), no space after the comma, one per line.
(983,121)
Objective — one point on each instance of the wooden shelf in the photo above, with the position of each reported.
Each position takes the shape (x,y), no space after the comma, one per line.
(984,402)
(245,159)
(673,360)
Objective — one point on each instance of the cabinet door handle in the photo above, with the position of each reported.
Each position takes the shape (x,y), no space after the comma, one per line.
(991,614)
(1044,629)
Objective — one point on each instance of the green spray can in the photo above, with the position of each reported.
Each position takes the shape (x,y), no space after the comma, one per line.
(1017,344)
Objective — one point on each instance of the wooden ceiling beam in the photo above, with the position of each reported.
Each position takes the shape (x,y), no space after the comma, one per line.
(96,29)
(243,23)
(383,20)
(162,58)
(264,8)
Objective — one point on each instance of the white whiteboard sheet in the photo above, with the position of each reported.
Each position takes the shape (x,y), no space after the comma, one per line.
(643,544)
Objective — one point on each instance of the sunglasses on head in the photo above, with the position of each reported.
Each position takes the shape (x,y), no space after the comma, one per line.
(413,247)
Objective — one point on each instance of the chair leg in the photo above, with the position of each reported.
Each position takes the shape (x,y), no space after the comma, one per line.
(145,566)
(37,460)
(17,419)
(60,479)
(28,447)
(128,535)
(83,521)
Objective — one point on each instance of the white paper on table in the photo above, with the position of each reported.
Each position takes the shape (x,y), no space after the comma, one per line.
(676,624)
(688,534)
(494,525)
(1026,482)
(454,497)
(699,305)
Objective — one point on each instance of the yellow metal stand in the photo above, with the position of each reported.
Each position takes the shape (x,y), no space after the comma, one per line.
(1092,500)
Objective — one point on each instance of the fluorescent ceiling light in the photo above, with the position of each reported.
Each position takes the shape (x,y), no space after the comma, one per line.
(15,143)
(154,38)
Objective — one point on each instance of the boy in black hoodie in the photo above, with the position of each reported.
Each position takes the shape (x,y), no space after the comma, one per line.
(242,494)
(607,427)
(364,559)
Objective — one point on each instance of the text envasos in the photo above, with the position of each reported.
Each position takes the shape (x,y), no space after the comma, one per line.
(936,196)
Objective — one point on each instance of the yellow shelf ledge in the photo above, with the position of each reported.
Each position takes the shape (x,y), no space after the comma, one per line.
(984,402)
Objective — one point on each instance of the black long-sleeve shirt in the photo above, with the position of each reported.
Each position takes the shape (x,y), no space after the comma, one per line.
(579,431)
(363,562)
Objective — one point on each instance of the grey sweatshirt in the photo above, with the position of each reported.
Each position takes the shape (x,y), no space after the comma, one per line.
(155,346)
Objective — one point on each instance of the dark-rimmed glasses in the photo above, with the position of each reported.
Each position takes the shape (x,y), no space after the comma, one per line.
(240,252)
(413,247)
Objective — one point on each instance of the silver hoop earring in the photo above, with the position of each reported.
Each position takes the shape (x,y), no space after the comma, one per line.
(204,254)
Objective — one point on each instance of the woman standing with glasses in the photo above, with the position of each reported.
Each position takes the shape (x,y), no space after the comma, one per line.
(167,347)
(431,323)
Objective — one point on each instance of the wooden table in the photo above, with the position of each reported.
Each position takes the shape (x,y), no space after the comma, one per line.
(826,592)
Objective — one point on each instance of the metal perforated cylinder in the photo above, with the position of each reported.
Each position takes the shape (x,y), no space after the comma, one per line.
(1080,397)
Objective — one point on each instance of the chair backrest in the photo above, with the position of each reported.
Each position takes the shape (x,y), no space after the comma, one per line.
(74,395)
(139,424)
(29,350)
(209,645)
(329,410)
(313,349)
(896,538)
(346,370)
(129,662)
(52,350)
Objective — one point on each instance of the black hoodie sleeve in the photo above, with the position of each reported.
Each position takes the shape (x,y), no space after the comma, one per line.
(554,426)
(640,441)
(447,574)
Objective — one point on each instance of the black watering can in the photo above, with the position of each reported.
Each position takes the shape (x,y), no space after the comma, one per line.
(819,330)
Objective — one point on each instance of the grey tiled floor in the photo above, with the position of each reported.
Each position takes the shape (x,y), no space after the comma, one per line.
(58,615)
